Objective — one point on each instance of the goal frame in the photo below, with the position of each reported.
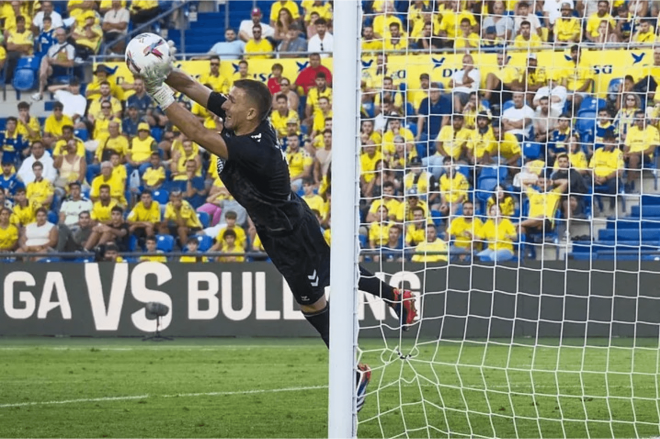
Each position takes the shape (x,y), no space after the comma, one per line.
(342,413)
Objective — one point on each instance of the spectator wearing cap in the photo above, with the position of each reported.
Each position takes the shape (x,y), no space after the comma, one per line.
(232,48)
(140,150)
(405,210)
(115,25)
(47,10)
(490,38)
(101,74)
(307,77)
(433,114)
(258,47)
(74,103)
(567,29)
(323,41)
(246,27)
(20,43)
(74,205)
(38,154)
(293,43)
(13,146)
(59,58)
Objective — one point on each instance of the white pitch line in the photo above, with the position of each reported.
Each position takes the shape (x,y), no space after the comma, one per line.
(145,348)
(177,395)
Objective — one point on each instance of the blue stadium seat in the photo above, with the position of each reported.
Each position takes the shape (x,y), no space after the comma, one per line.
(53,217)
(205,242)
(29,62)
(165,243)
(590,103)
(364,243)
(132,243)
(494,171)
(532,150)
(82,134)
(161,196)
(204,218)
(507,105)
(465,170)
(24,79)
(485,188)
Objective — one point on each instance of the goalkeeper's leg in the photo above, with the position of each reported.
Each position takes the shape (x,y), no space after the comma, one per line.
(401,301)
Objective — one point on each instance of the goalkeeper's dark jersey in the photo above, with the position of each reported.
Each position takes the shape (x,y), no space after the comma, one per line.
(257,175)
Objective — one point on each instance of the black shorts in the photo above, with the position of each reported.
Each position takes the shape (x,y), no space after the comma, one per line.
(302,257)
(548,226)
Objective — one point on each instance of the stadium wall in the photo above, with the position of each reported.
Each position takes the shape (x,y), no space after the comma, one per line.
(606,65)
(549,300)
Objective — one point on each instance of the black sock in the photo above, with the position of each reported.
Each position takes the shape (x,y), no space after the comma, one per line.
(372,285)
(320,320)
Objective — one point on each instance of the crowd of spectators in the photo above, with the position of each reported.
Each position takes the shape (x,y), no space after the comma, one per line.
(457,171)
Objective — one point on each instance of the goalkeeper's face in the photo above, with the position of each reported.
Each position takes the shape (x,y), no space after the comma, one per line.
(238,108)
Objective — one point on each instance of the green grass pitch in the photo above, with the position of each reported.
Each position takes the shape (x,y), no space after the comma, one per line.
(52,387)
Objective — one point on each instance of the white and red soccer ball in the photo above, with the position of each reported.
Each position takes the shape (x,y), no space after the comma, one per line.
(145,51)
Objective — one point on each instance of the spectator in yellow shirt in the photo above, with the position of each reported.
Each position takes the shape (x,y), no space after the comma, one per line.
(231,248)
(241,237)
(640,145)
(379,230)
(300,163)
(20,43)
(154,176)
(40,192)
(140,149)
(500,234)
(28,126)
(468,39)
(567,28)
(527,40)
(193,247)
(218,82)
(151,244)
(543,205)
(257,46)
(607,164)
(594,21)
(87,38)
(281,115)
(453,188)
(8,232)
(370,44)
(646,33)
(465,231)
(416,232)
(314,201)
(180,219)
(145,218)
(453,139)
(112,179)
(396,40)
(433,245)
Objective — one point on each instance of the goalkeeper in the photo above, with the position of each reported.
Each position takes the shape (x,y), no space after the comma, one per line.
(254,170)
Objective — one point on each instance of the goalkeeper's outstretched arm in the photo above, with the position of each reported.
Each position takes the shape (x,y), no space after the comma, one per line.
(190,125)
(184,83)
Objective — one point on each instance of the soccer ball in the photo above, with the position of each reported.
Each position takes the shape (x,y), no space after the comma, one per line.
(146,50)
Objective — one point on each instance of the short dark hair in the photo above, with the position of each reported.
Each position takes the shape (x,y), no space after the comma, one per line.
(105,83)
(277,66)
(104,186)
(214,57)
(394,23)
(37,164)
(146,192)
(229,232)
(20,18)
(231,215)
(259,93)
(58,106)
(84,212)
(464,21)
(12,119)
(41,210)
(525,23)
(193,240)
(282,96)
(23,105)
(321,75)
(74,183)
(117,209)
(322,21)
(151,238)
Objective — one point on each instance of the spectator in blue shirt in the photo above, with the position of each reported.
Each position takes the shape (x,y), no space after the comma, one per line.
(433,114)
(14,147)
(46,37)
(141,100)
(392,251)
(231,48)
(193,188)
(129,126)
(9,181)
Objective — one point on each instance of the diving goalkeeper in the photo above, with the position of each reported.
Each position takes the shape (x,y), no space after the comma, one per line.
(254,169)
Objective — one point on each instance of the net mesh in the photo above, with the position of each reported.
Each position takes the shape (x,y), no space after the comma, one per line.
(508,179)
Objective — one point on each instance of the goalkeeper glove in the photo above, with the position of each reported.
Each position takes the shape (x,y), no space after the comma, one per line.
(154,79)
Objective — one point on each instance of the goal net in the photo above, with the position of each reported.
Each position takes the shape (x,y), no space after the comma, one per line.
(508,179)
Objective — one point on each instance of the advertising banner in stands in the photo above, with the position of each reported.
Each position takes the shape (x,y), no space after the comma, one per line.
(605,65)
(575,300)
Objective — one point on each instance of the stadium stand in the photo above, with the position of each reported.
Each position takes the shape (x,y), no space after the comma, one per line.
(541,141)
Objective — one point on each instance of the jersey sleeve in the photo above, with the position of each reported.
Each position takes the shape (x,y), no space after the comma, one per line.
(215,102)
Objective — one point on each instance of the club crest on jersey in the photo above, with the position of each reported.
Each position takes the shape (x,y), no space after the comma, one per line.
(153,49)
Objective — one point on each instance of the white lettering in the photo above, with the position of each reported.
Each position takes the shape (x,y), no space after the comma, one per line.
(376,304)
(288,310)
(144,294)
(196,295)
(260,301)
(54,282)
(106,318)
(24,297)
(246,301)
(400,279)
